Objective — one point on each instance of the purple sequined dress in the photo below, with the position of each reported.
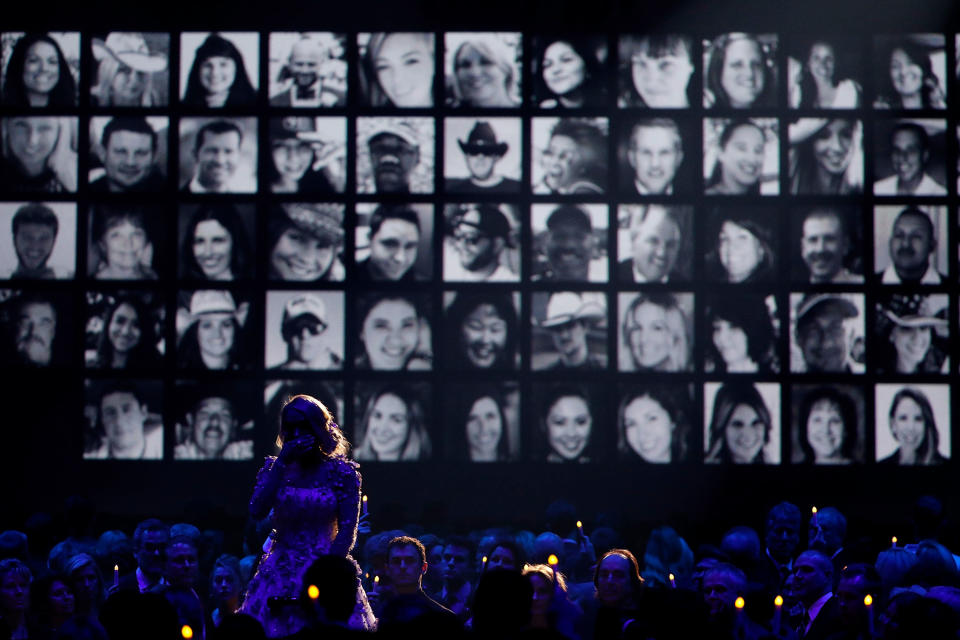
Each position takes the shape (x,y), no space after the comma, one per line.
(313,514)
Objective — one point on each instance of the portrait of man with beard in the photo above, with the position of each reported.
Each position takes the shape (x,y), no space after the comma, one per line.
(37,327)
(912,246)
(213,425)
(827,248)
(567,250)
(476,244)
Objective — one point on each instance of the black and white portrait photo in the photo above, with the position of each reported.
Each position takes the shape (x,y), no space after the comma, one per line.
(911,71)
(394,242)
(393,332)
(218,155)
(827,332)
(483,69)
(482,330)
(216,241)
(215,421)
(910,244)
(397,69)
(910,157)
(828,425)
(825,157)
(569,72)
(482,156)
(39,154)
(307,155)
(395,155)
(657,71)
(304,330)
(123,419)
(912,424)
(741,71)
(741,156)
(657,156)
(482,422)
(569,242)
(219,70)
(129,69)
(37,328)
(569,331)
(124,330)
(393,422)
(40,69)
(826,244)
(481,242)
(654,243)
(655,331)
(213,332)
(743,333)
(568,423)
(305,242)
(125,241)
(128,154)
(741,244)
(824,72)
(38,240)
(913,334)
(308,70)
(741,422)
(569,156)
(654,423)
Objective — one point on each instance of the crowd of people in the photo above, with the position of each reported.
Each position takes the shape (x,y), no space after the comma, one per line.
(798,574)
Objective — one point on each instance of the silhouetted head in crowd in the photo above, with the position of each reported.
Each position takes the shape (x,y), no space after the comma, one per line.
(782,534)
(501,604)
(150,541)
(827,530)
(335,579)
(617,579)
(813,576)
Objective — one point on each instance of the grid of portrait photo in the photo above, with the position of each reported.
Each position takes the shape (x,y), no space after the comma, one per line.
(488,247)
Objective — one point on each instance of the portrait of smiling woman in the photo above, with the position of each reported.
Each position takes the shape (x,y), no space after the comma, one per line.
(481,330)
(211,331)
(825,156)
(218,76)
(828,424)
(397,69)
(483,422)
(742,334)
(124,242)
(568,72)
(214,242)
(741,71)
(568,422)
(656,331)
(393,426)
(652,425)
(37,73)
(742,423)
(124,330)
(483,70)
(912,424)
(740,157)
(394,332)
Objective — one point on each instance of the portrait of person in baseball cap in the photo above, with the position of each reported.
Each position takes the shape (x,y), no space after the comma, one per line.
(828,332)
(304,330)
(305,242)
(395,155)
(308,155)
(480,244)
(569,242)
(482,156)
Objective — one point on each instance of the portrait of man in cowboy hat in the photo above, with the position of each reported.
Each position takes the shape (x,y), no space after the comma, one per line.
(569,331)
(481,152)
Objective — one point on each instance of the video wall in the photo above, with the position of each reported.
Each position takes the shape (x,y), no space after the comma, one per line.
(486,247)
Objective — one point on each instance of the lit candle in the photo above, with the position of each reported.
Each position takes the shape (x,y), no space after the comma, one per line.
(868,603)
(483,569)
(739,603)
(313,592)
(777,605)
(553,560)
(893,540)
(673,581)
(186,632)
(376,579)
(116,575)
(364,501)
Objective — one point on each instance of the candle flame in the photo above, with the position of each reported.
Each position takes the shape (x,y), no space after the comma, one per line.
(552,559)
(739,602)
(376,579)
(894,540)
(186,632)
(671,576)
(579,525)
(868,599)
(813,511)
(313,592)
(778,601)
(484,559)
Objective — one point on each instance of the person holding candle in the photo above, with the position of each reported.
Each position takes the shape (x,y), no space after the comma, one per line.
(856,582)
(723,585)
